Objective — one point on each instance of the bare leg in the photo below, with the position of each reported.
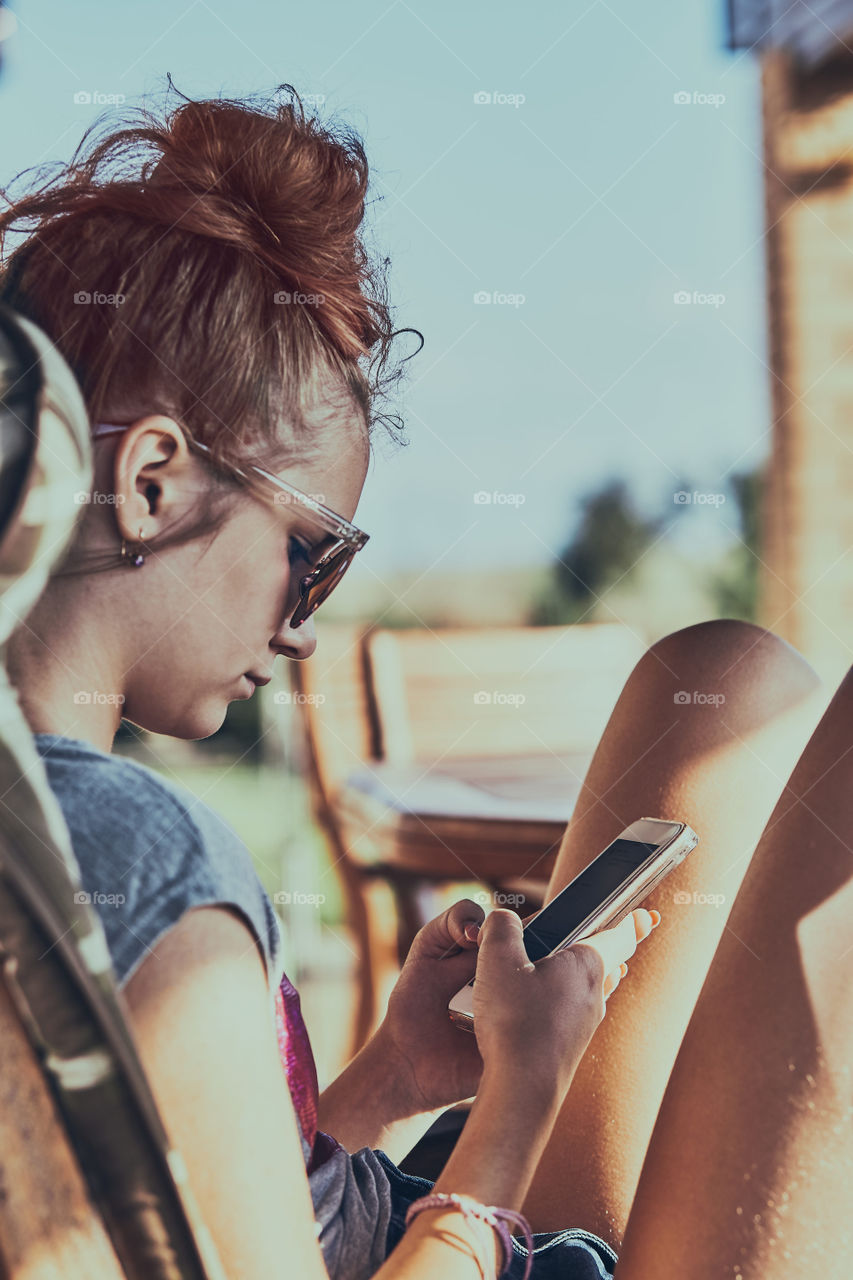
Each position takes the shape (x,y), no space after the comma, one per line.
(719,766)
(750,1166)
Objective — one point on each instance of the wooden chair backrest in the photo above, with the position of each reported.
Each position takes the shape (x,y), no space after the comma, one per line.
(510,691)
(334,705)
(49,1229)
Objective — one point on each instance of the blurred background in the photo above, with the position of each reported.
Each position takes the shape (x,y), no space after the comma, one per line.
(624,233)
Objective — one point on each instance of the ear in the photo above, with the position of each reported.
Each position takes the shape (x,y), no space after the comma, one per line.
(151,467)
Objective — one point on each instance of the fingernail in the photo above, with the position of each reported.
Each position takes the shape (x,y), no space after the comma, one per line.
(471,930)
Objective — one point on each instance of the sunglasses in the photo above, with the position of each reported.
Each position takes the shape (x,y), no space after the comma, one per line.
(316,586)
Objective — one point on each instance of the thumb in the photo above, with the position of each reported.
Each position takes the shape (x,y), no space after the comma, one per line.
(501,942)
(445,935)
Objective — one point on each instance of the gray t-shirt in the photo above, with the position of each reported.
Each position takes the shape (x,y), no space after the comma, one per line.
(148,851)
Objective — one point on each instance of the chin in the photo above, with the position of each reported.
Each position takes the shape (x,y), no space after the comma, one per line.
(200,726)
(188,727)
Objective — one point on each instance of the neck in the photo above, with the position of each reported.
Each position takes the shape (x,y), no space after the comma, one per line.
(67,679)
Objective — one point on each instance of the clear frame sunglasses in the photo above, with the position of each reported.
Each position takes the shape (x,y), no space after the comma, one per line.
(316,586)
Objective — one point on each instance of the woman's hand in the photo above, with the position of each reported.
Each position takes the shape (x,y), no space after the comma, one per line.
(537,1020)
(417,1062)
(443,1066)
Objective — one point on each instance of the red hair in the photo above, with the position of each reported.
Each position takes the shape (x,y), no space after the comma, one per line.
(208,265)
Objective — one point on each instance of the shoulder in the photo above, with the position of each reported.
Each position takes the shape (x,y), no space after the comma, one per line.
(149,850)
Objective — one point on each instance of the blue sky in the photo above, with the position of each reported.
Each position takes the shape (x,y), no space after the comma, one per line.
(581,210)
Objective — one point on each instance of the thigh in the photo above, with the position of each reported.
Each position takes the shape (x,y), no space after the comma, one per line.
(750,1165)
(717,760)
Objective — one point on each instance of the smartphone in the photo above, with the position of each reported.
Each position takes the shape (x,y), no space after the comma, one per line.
(600,896)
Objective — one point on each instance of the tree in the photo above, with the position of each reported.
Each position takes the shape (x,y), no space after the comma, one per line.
(610,538)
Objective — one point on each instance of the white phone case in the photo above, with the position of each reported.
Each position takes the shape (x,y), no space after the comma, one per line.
(677,844)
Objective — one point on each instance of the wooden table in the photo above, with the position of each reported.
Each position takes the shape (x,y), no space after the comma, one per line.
(496,820)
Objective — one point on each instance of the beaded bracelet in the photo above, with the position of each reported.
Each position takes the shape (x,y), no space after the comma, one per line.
(488,1213)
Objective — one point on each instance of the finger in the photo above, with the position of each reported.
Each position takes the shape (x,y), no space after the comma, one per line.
(645,922)
(619,943)
(444,935)
(462,913)
(612,980)
(501,939)
(465,912)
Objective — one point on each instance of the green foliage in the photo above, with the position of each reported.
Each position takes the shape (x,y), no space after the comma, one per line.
(241,732)
(610,538)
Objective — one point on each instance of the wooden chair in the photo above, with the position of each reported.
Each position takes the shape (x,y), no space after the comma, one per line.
(90,1187)
(337,734)
(485,737)
(416,741)
(455,694)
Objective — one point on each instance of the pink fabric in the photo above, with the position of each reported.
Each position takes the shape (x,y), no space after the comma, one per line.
(297,1058)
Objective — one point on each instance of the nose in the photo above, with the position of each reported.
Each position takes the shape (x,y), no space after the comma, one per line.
(295,642)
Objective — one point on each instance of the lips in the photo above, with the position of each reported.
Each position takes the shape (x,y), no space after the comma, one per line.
(258,679)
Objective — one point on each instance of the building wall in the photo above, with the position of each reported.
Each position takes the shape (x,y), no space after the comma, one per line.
(807,574)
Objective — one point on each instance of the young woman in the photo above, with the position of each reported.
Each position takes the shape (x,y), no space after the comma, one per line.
(204,276)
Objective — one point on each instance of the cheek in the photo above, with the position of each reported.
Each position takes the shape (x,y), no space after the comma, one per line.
(255,574)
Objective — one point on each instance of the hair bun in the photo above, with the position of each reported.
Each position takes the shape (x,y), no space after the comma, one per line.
(183,230)
(278,186)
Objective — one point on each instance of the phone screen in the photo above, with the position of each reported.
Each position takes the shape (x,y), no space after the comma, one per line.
(586,892)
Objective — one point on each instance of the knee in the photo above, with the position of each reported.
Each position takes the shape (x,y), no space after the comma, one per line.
(732,663)
(724,643)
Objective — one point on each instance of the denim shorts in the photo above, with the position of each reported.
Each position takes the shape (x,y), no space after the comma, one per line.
(572,1254)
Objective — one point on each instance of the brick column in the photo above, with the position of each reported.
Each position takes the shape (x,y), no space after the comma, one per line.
(806,586)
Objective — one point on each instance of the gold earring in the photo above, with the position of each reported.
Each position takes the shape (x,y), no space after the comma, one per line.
(138,559)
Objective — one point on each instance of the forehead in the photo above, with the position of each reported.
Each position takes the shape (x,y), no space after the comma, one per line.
(335,466)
